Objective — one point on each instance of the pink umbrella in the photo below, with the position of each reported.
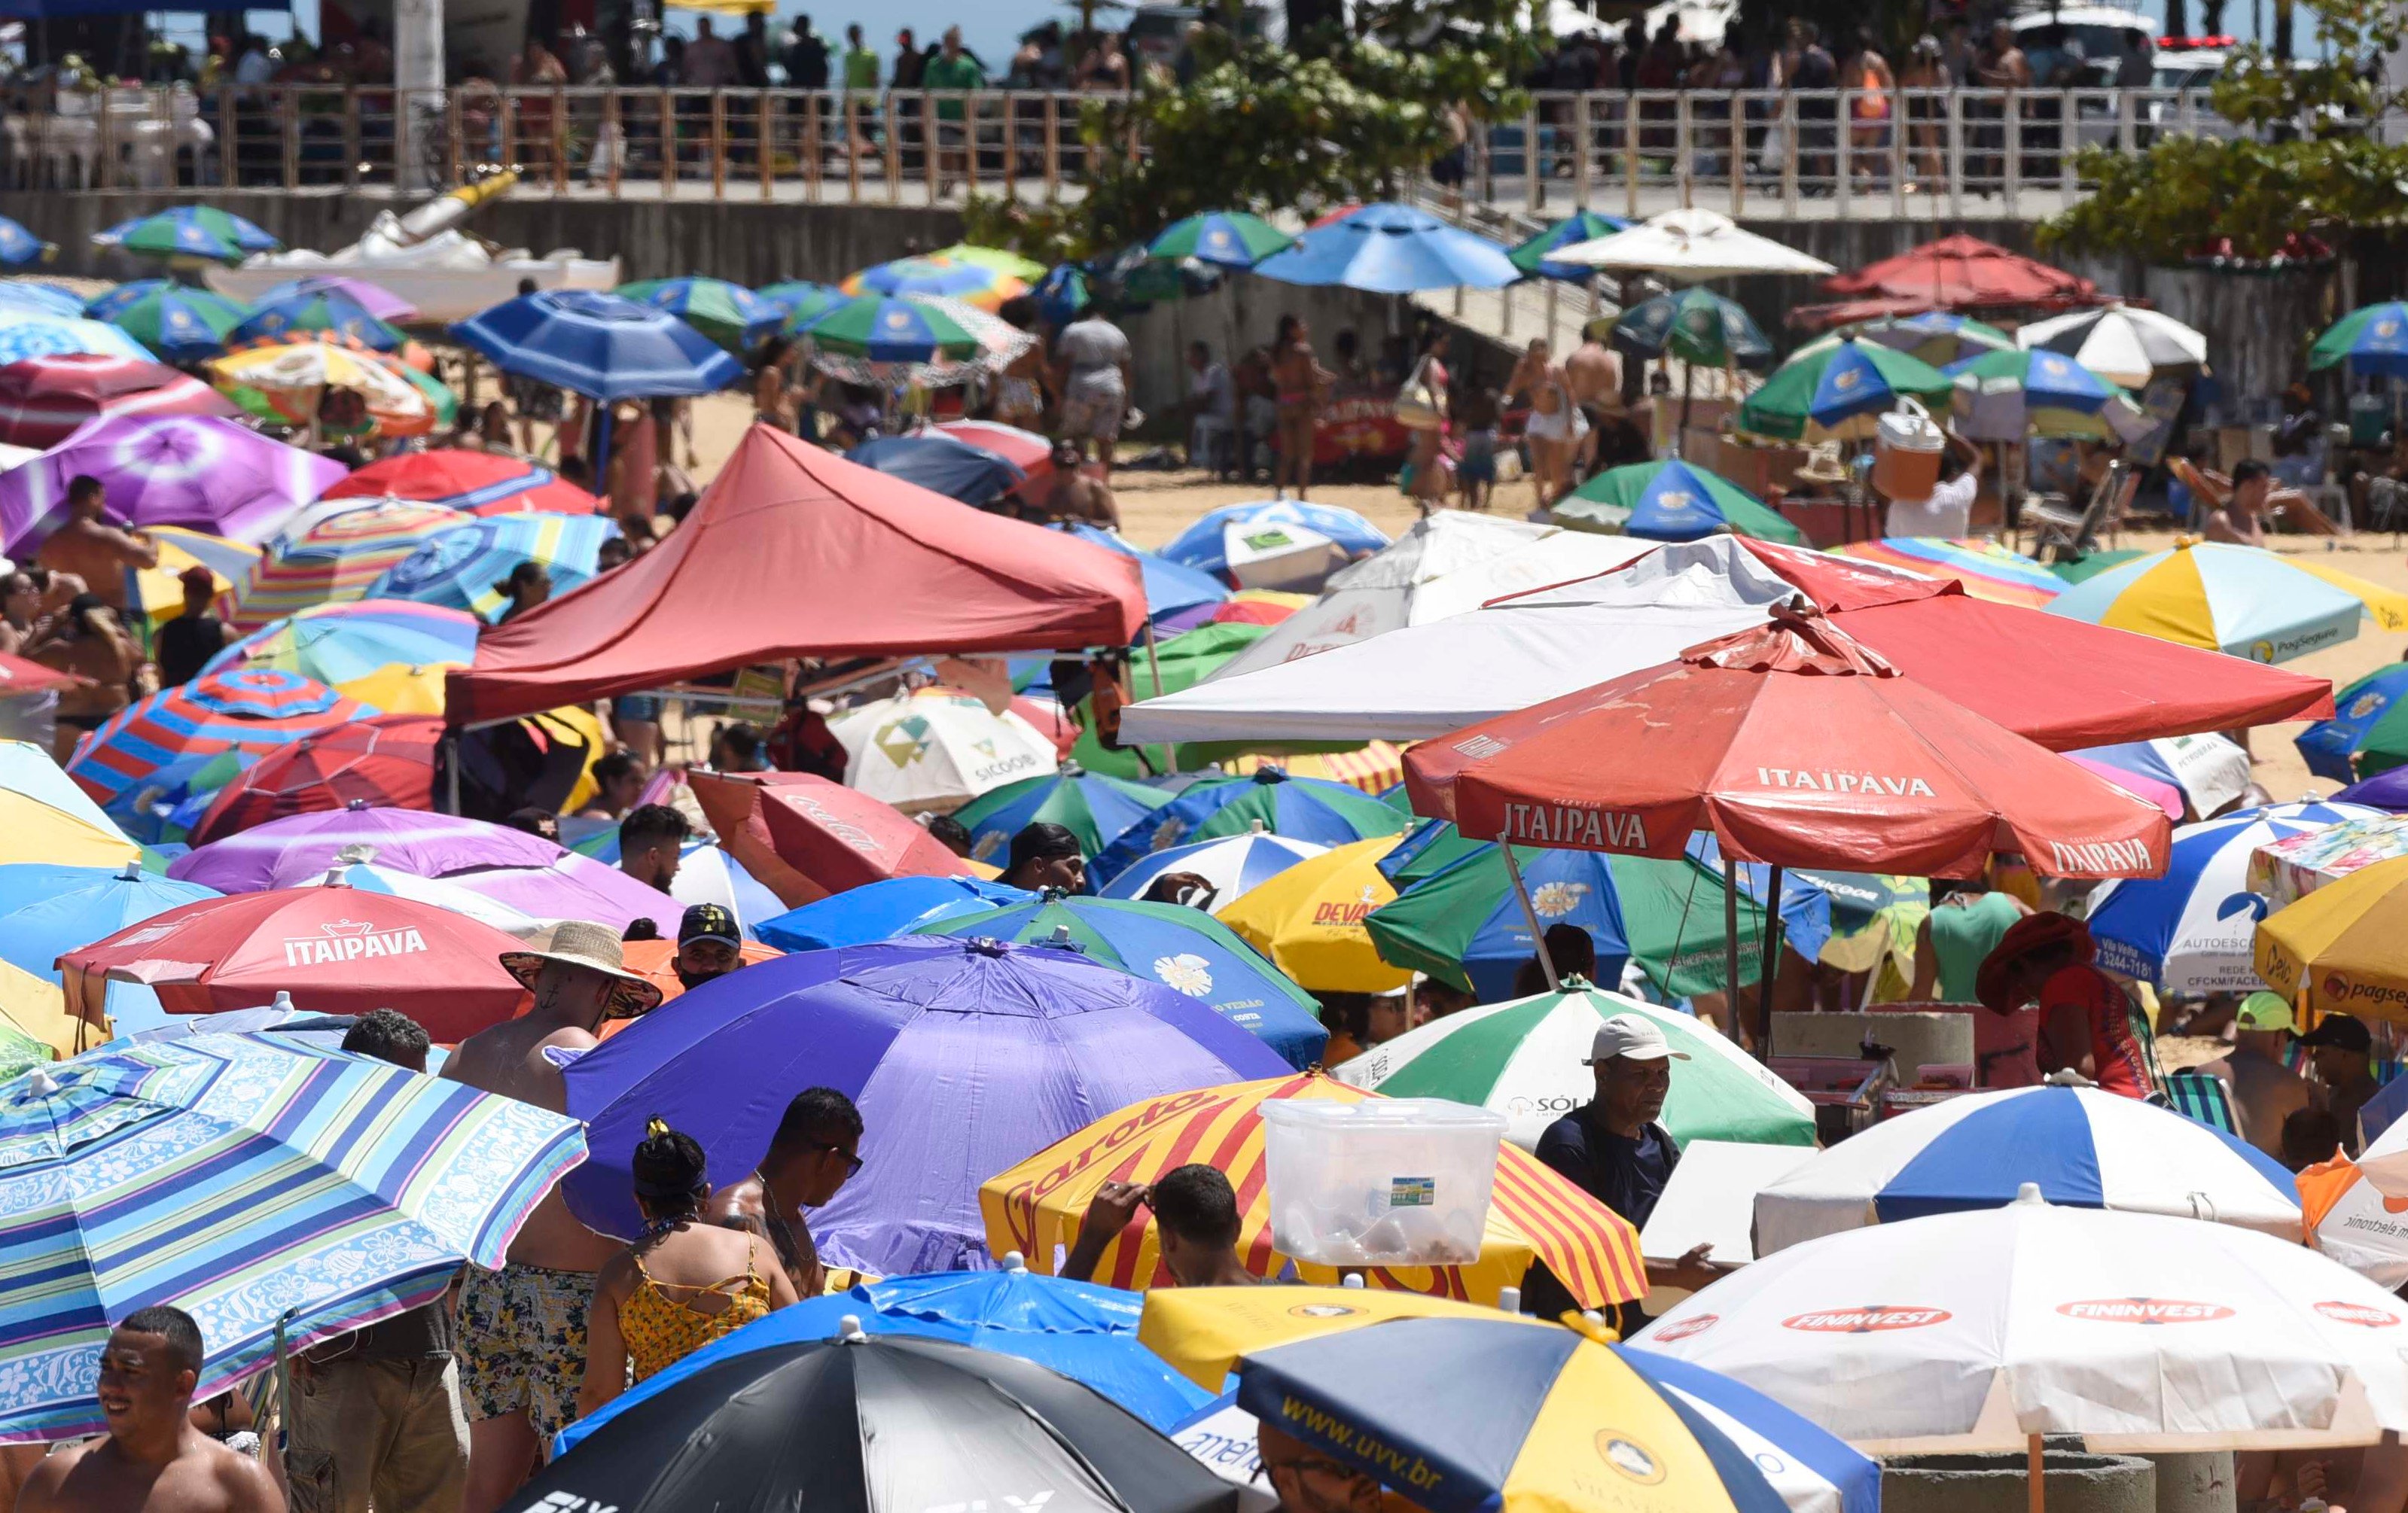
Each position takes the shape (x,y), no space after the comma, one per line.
(195,471)
(2164,795)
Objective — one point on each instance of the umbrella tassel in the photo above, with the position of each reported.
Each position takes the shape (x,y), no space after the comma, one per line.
(1530,914)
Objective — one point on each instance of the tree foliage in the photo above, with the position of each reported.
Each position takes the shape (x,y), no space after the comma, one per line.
(2305,154)
(1345,115)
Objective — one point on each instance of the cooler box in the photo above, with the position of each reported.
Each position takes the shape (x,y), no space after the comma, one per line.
(1280,557)
(1384,1182)
(1906,453)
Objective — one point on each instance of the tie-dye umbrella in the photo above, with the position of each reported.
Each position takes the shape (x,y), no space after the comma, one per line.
(973,284)
(333,551)
(345,646)
(254,710)
(464,569)
(27,332)
(190,470)
(288,382)
(189,233)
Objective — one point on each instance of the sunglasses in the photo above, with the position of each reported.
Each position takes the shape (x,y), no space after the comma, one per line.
(853,1163)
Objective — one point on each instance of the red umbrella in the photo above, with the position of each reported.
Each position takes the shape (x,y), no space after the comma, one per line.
(481,483)
(387,762)
(20,677)
(1965,273)
(335,950)
(43,399)
(831,837)
(1796,746)
(1024,450)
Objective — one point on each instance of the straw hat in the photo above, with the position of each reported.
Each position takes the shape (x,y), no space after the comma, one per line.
(1822,464)
(596,948)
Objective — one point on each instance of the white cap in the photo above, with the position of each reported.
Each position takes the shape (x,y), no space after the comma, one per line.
(1631,1035)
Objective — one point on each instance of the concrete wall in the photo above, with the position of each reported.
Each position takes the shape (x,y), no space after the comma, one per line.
(2074,1482)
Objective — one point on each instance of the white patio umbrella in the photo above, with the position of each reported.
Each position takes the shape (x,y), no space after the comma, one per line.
(938,749)
(1984,1330)
(1691,245)
(2119,342)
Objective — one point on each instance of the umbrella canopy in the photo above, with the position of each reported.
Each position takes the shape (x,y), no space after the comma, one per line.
(2387,789)
(286,382)
(955,469)
(1204,545)
(981,285)
(388,760)
(45,817)
(885,328)
(1095,807)
(2119,342)
(252,710)
(1534,1214)
(2288,869)
(834,837)
(1187,658)
(44,399)
(1061,292)
(1838,390)
(36,294)
(1178,947)
(28,331)
(19,676)
(1233,864)
(466,567)
(1695,325)
(598,345)
(938,749)
(1692,245)
(2006,396)
(478,482)
(1225,238)
(190,232)
(2083,1148)
(1531,254)
(800,302)
(1973,1331)
(911,1422)
(18,247)
(2336,950)
(1392,250)
(156,593)
(1931,788)
(2371,341)
(1527,1061)
(336,950)
(385,1182)
(334,553)
(47,910)
(1027,1043)
(1170,588)
(34,1010)
(990,257)
(1963,272)
(321,311)
(1302,809)
(342,644)
(2205,773)
(374,298)
(2244,601)
(177,321)
(729,314)
(1986,569)
(1307,918)
(1671,501)
(192,470)
(1026,450)
(1936,337)
(2365,735)
(2351,1220)
(888,907)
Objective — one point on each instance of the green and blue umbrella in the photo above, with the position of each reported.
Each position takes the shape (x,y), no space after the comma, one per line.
(800,302)
(2368,733)
(1063,292)
(1092,806)
(2009,395)
(47,910)
(330,312)
(199,232)
(179,322)
(1225,238)
(883,329)
(1671,501)
(1837,390)
(729,314)
(1301,808)
(462,568)
(2373,340)
(1530,256)
(18,247)
(1695,325)
(1205,544)
(278,1194)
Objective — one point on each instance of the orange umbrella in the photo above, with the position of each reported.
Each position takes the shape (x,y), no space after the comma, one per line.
(656,961)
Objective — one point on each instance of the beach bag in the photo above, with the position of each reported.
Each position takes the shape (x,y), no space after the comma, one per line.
(1417,402)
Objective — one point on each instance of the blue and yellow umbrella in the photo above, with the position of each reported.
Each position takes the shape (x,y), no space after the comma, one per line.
(2242,600)
(463,568)
(345,646)
(974,284)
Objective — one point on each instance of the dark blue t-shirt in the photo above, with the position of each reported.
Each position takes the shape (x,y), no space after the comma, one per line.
(1628,1176)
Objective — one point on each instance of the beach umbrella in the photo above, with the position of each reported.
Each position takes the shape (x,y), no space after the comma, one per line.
(385,1182)
(189,234)
(464,567)
(887,328)
(1061,292)
(1838,389)
(1939,337)
(1695,325)
(315,1032)
(923,1422)
(133,291)
(1026,450)
(34,293)
(191,470)
(835,837)
(20,247)
(2121,342)
(2371,341)
(439,893)
(2364,734)
(936,748)
(177,321)
(46,817)
(1374,766)
(1987,1330)
(1302,809)
(2084,1147)
(2387,789)
(1094,805)
(1963,272)
(1185,659)
(2202,773)
(374,298)
(729,314)
(2354,1222)
(974,284)
(1527,1059)
(336,551)
(1233,864)
(2244,601)
(251,710)
(1026,1043)
(1225,238)
(1392,250)
(387,760)
(598,345)
(888,907)
(47,910)
(2290,868)
(312,313)
(28,331)
(156,593)
(344,644)
(1168,945)
(2006,396)
(286,382)
(478,482)
(1308,919)
(1170,588)
(953,468)
(1671,501)
(43,399)
(2336,950)
(1986,569)
(800,301)
(1692,245)
(334,949)
(34,1008)
(1534,1214)
(1205,544)
(1531,254)
(990,257)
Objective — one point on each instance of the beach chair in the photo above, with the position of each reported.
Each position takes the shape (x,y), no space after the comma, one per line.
(2202,1096)
(2056,525)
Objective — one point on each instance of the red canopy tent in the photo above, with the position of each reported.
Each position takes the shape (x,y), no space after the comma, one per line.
(1955,273)
(796,552)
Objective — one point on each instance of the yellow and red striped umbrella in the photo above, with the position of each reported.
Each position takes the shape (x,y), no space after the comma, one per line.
(1535,1215)
(1375,767)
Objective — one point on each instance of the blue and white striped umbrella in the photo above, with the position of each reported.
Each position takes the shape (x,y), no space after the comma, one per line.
(461,567)
(2085,1148)
(599,345)
(1204,545)
(1232,864)
(26,330)
(2193,930)
(247,1181)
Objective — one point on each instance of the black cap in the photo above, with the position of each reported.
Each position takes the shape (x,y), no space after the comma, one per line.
(2340,1031)
(1042,841)
(709,921)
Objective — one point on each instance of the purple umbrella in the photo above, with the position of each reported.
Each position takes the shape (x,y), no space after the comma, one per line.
(375,299)
(964,1056)
(2385,789)
(195,471)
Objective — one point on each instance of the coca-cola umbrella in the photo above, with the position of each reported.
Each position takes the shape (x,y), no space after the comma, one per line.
(334,949)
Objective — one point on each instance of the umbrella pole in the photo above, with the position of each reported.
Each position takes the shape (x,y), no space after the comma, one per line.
(451,772)
(601,458)
(1730,946)
(1530,916)
(1768,959)
(1688,385)
(2036,1473)
(1153,671)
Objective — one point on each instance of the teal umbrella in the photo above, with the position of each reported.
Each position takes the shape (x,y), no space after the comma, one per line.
(1228,238)
(1695,325)
(1583,226)
(729,314)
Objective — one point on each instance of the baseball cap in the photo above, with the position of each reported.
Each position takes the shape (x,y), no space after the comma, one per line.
(709,921)
(1628,1034)
(2342,1031)
(2264,1010)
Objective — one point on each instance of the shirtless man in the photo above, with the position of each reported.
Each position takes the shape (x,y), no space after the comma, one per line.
(91,547)
(152,1460)
(521,1341)
(817,1149)
(1070,492)
(2265,1092)
(1301,382)
(1555,425)
(1594,375)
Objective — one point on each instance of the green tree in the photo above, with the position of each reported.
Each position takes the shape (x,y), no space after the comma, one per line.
(2302,155)
(1342,115)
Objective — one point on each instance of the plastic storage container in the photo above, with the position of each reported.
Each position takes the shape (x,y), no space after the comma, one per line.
(1279,556)
(1906,453)
(1384,1182)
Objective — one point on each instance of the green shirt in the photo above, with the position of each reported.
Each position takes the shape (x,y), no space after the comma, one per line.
(1962,935)
(861,69)
(961,73)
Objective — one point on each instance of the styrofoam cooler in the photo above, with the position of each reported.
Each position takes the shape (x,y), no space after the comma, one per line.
(1384,1182)
(1906,452)
(1280,556)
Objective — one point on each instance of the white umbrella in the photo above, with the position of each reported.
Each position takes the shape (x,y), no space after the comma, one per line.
(1981,1331)
(938,749)
(1233,864)
(2357,1226)
(1691,245)
(2118,342)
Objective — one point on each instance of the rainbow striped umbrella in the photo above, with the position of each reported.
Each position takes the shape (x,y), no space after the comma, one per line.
(341,644)
(256,1182)
(250,710)
(333,551)
(1987,570)
(462,568)
(972,283)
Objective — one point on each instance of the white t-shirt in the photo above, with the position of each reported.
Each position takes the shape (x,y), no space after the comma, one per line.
(1949,511)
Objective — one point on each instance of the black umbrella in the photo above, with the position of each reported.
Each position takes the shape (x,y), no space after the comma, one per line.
(877,1424)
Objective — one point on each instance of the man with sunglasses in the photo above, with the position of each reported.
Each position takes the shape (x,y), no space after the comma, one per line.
(817,1149)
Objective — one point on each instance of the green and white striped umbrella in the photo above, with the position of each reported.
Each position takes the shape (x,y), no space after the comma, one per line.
(1526,1061)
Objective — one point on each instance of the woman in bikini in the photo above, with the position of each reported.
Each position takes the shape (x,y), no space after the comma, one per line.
(1555,425)
(683,1282)
(1020,388)
(1303,388)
